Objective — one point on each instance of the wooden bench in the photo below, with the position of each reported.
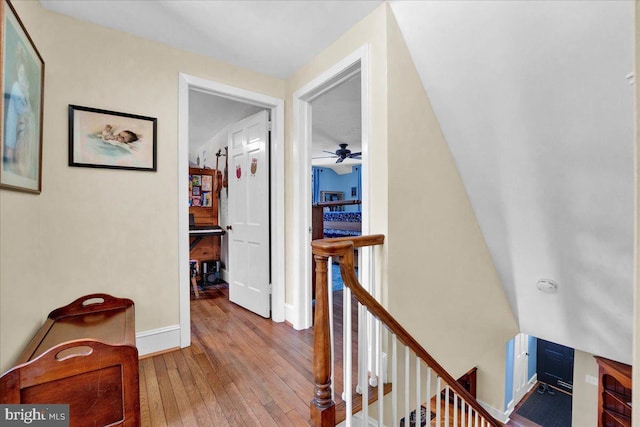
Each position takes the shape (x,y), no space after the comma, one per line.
(84,355)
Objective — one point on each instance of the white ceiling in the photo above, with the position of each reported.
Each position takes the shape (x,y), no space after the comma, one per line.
(210,114)
(272,37)
(336,119)
(534,102)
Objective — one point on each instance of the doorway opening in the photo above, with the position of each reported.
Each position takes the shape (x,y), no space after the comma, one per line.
(539,381)
(193,90)
(336,159)
(352,72)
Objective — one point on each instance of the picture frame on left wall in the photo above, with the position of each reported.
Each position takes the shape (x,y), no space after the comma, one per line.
(111,139)
(22,82)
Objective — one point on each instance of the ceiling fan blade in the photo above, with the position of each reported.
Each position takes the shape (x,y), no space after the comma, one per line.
(330,152)
(340,159)
(359,153)
(324,157)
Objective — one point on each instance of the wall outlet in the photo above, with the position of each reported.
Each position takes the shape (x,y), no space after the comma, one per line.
(590,379)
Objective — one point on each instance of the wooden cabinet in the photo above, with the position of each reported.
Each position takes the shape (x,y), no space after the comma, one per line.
(203,205)
(614,393)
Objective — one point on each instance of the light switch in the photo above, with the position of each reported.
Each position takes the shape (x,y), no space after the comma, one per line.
(590,379)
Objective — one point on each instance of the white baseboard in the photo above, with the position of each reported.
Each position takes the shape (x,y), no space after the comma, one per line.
(495,413)
(157,340)
(289,315)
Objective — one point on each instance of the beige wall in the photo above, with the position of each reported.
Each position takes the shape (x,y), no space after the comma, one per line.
(585,396)
(99,230)
(443,285)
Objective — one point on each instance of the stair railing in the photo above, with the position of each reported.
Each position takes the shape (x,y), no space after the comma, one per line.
(444,401)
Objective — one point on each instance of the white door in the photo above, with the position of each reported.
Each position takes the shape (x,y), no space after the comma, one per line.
(520,366)
(248,228)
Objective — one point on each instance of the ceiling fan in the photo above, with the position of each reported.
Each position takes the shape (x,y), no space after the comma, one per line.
(342,153)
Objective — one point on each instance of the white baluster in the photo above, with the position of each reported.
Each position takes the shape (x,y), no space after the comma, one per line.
(362,349)
(371,330)
(348,354)
(428,395)
(418,387)
(438,401)
(394,377)
(446,405)
(365,369)
(462,413)
(455,409)
(380,379)
(407,409)
(477,419)
(331,332)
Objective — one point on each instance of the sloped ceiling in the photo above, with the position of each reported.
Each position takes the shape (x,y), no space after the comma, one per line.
(534,102)
(210,114)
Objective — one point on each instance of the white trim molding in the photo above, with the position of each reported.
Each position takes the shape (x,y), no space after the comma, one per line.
(161,339)
(358,61)
(495,413)
(512,404)
(276,106)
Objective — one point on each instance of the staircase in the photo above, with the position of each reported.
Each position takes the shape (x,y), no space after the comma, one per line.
(378,360)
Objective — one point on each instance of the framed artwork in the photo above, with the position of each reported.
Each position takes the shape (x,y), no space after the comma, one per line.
(196,180)
(196,191)
(206,199)
(113,140)
(22,81)
(196,201)
(206,182)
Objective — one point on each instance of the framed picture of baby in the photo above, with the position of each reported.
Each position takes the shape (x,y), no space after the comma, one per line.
(109,139)
(22,81)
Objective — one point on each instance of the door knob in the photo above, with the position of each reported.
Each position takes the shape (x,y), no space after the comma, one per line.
(229,227)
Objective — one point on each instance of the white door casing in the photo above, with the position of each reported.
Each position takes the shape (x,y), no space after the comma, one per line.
(248,231)
(357,61)
(276,107)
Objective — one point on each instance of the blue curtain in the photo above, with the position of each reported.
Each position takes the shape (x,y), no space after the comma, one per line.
(315,183)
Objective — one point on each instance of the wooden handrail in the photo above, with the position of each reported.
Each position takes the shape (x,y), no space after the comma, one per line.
(343,247)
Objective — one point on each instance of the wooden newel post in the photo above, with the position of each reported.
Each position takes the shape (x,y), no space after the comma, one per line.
(323,409)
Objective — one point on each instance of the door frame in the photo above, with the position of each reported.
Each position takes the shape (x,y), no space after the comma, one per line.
(277,227)
(358,61)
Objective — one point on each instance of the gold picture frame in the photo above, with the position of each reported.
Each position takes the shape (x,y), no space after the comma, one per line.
(22,81)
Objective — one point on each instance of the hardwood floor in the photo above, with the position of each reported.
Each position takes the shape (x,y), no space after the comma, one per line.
(240,370)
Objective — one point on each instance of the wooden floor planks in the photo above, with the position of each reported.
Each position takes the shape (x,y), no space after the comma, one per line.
(241,370)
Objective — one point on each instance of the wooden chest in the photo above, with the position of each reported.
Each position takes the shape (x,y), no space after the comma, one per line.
(84,356)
